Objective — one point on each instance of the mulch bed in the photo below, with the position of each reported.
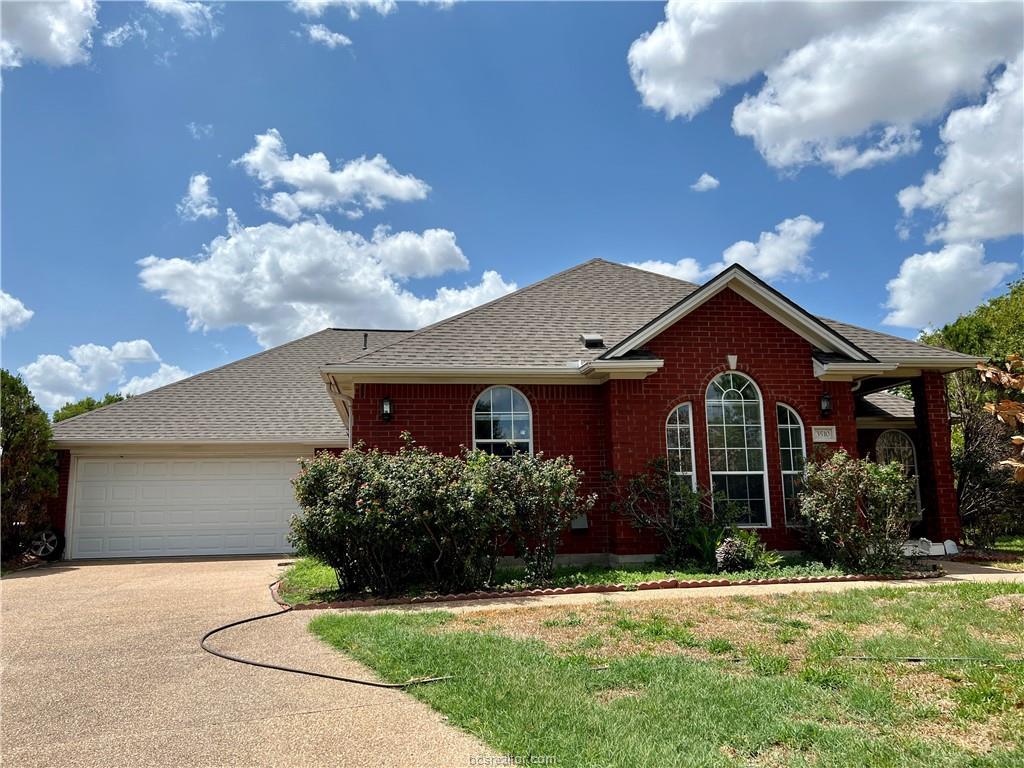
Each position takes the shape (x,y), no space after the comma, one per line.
(374,602)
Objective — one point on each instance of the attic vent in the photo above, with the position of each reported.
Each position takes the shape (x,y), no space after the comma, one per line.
(592,340)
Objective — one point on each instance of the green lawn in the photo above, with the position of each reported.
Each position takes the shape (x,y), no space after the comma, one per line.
(309,581)
(741,681)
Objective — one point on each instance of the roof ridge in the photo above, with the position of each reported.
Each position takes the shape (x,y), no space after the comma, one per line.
(446,320)
(650,272)
(194,376)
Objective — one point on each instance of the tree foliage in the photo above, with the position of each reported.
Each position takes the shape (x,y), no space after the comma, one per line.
(386,522)
(28,473)
(994,329)
(857,512)
(85,405)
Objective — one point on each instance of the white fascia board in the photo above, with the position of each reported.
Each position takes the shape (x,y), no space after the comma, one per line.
(849,371)
(750,289)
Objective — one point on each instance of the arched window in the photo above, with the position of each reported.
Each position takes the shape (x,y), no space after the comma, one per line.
(736,445)
(793,455)
(679,441)
(502,422)
(896,446)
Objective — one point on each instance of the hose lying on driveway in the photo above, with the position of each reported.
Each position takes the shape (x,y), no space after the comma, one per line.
(280,668)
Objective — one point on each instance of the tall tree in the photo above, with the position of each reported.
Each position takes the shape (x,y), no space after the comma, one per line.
(85,405)
(28,473)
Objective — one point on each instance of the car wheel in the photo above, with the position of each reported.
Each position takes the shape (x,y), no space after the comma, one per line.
(48,544)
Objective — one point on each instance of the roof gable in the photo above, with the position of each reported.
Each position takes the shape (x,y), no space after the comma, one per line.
(758,293)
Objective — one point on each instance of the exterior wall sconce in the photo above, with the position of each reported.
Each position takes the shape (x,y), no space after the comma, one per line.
(386,409)
(826,404)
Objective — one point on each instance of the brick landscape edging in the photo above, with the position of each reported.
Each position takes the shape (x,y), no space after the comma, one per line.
(374,602)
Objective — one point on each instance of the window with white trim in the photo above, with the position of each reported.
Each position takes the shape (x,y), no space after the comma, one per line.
(502,422)
(896,446)
(736,445)
(793,456)
(679,442)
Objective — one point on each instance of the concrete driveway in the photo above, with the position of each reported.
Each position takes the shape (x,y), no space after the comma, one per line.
(101,666)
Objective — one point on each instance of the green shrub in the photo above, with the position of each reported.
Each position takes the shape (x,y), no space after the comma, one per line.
(385,522)
(857,512)
(743,550)
(28,472)
(689,523)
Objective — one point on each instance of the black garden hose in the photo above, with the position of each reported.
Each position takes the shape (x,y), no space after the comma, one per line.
(280,668)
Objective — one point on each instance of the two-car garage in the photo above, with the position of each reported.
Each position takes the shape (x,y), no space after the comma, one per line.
(158,507)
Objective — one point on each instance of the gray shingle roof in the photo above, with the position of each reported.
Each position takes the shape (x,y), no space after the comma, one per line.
(884,405)
(540,325)
(886,347)
(273,396)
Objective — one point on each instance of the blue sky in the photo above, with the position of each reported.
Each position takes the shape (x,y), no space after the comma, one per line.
(519,135)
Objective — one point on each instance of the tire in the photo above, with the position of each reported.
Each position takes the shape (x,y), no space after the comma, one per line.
(47,545)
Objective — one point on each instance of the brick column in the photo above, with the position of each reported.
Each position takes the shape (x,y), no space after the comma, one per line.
(931,412)
(57,506)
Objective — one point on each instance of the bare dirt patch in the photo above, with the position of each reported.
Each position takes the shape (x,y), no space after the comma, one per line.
(614,694)
(1007,603)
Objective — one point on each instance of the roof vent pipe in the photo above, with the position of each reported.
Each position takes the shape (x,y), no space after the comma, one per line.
(365,337)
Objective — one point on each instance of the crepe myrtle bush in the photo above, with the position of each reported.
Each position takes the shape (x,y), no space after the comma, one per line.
(856,512)
(386,522)
(689,523)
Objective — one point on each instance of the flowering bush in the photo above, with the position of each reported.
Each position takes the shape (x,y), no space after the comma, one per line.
(857,512)
(742,550)
(388,521)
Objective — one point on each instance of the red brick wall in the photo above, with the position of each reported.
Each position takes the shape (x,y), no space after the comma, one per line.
(620,426)
(58,506)
(694,351)
(931,411)
(567,420)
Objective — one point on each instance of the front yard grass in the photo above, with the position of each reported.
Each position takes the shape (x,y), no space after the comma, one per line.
(309,581)
(737,681)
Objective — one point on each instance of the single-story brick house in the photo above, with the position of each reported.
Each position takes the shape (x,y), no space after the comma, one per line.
(730,380)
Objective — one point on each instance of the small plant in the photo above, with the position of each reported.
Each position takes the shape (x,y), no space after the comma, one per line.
(743,551)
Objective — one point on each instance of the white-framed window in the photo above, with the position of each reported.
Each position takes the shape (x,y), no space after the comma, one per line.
(502,421)
(679,443)
(894,445)
(793,456)
(736,446)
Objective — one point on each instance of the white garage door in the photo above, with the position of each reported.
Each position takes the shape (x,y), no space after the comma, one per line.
(166,507)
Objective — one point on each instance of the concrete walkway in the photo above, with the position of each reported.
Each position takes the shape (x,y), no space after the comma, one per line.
(100,665)
(956,573)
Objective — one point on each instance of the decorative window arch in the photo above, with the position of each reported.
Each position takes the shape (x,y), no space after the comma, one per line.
(502,421)
(679,443)
(793,456)
(894,445)
(736,454)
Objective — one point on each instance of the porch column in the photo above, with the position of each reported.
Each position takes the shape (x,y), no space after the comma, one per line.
(935,467)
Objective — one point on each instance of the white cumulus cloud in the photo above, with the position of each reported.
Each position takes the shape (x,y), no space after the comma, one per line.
(705,183)
(282,282)
(358,184)
(318,33)
(13,314)
(316,8)
(55,33)
(93,369)
(193,17)
(783,253)
(978,188)
(935,287)
(198,203)
(844,85)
